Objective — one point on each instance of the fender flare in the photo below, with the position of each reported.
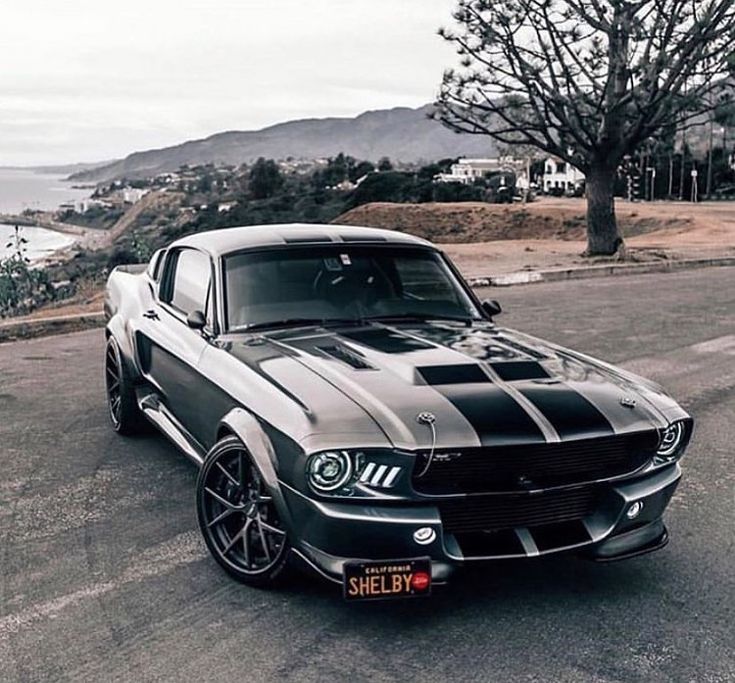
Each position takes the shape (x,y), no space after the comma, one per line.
(116,329)
(246,427)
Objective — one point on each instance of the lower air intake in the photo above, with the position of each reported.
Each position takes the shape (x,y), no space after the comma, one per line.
(510,511)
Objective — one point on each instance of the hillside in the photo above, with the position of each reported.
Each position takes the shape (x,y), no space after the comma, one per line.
(549,218)
(402,134)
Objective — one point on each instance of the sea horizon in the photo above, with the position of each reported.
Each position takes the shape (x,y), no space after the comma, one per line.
(22,189)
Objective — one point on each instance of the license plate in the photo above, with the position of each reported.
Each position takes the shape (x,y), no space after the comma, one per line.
(387,579)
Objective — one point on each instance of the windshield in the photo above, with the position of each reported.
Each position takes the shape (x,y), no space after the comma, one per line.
(341,282)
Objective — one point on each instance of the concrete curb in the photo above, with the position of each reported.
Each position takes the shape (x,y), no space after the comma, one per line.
(36,327)
(604,270)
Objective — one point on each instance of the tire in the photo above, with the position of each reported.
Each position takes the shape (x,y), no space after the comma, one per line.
(122,406)
(238,517)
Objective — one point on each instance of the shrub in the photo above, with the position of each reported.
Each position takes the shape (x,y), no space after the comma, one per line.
(22,288)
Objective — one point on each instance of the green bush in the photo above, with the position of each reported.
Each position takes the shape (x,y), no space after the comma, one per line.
(22,288)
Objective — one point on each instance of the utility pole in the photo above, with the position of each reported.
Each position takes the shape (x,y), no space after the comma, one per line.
(652,171)
(683,164)
(671,174)
(709,156)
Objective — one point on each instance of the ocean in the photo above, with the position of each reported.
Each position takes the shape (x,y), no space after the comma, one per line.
(41,242)
(22,189)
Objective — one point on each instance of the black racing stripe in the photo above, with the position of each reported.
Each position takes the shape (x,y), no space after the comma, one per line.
(570,413)
(386,341)
(513,371)
(496,417)
(453,374)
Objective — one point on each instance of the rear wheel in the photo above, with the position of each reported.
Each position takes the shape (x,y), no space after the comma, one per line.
(122,406)
(238,518)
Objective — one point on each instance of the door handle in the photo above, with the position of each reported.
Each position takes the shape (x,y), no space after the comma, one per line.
(151,315)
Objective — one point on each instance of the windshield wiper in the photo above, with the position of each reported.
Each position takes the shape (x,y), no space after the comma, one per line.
(293,322)
(421,317)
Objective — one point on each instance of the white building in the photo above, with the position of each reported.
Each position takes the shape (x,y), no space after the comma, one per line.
(84,205)
(466,171)
(561,175)
(130,195)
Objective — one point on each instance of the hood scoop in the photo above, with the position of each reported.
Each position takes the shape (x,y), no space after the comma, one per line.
(437,375)
(345,355)
(513,371)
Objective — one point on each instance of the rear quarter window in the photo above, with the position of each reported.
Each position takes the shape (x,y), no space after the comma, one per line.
(191,285)
(155,266)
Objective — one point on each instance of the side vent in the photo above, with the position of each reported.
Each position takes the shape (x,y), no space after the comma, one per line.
(379,476)
(348,356)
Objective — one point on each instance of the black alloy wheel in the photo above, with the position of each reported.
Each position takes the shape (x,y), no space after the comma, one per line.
(238,517)
(122,406)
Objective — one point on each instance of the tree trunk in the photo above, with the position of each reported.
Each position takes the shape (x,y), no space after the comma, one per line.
(603,238)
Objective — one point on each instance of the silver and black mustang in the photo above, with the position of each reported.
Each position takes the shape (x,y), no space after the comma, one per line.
(352,405)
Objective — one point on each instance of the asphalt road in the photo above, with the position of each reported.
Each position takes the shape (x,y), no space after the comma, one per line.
(103,576)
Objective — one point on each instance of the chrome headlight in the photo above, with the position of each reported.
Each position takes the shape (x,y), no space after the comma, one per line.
(329,471)
(670,443)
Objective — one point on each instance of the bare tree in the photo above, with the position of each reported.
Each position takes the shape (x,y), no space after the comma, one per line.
(585,80)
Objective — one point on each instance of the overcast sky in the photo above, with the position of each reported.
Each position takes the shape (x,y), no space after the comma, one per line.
(87,80)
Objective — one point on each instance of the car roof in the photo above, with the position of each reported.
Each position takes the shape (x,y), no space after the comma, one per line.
(227,240)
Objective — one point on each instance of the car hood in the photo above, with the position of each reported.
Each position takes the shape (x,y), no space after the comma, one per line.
(462,386)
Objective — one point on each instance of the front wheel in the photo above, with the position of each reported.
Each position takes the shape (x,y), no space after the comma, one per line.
(238,518)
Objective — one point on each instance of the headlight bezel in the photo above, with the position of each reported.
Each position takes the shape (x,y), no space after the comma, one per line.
(334,456)
(672,441)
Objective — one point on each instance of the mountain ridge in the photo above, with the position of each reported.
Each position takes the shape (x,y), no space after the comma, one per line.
(402,133)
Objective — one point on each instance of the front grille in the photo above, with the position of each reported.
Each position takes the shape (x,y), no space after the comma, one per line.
(519,467)
(510,511)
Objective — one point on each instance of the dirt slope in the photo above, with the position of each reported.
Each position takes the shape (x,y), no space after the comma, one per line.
(480,222)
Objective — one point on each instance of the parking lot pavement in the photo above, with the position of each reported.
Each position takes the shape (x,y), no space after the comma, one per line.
(104,577)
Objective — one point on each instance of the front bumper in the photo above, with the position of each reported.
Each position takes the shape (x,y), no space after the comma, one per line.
(327,534)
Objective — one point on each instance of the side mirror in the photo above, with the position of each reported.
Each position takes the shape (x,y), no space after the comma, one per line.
(196,320)
(491,308)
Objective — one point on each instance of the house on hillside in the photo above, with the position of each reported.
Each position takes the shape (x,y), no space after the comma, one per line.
(84,205)
(561,175)
(131,195)
(466,171)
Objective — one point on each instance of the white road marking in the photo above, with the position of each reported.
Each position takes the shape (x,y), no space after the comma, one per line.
(160,559)
(724,344)
(696,359)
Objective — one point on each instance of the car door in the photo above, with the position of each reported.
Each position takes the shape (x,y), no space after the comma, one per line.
(170,348)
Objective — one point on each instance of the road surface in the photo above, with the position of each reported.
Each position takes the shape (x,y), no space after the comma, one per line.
(104,577)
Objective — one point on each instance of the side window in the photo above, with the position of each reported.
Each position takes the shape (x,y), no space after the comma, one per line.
(190,289)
